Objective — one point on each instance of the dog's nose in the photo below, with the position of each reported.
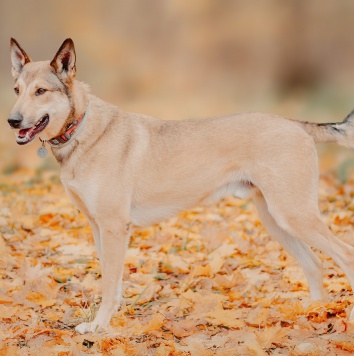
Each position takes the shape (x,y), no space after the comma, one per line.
(15,120)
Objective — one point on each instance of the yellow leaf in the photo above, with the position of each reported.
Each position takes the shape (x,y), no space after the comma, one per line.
(229,318)
(218,256)
(230,281)
(200,271)
(7,311)
(40,299)
(154,324)
(258,316)
(182,328)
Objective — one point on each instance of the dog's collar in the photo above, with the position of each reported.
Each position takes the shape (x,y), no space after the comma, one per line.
(72,130)
(64,139)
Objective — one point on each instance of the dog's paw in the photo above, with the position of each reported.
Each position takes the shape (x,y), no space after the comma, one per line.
(84,328)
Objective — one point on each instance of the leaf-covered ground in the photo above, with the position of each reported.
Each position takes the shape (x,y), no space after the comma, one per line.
(209,281)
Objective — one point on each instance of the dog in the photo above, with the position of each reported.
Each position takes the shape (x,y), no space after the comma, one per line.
(123,169)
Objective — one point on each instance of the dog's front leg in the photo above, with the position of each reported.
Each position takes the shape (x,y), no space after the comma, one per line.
(94,226)
(114,242)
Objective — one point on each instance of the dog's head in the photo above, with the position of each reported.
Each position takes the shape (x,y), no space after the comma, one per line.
(43,92)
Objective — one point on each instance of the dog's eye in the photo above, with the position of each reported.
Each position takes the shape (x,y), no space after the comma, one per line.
(40,91)
(17,91)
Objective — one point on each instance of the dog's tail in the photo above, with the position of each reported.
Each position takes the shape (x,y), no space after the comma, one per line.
(339,132)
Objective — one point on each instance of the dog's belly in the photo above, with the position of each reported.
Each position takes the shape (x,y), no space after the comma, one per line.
(142,215)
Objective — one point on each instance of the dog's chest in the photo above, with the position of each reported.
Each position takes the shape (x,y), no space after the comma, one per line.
(78,192)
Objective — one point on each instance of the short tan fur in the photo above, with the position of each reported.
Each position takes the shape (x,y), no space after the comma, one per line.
(126,169)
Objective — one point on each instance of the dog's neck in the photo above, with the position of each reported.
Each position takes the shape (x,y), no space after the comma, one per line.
(78,96)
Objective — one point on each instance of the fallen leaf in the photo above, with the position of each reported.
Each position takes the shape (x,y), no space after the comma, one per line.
(40,299)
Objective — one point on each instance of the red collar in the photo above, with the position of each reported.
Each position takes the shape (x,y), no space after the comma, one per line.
(66,136)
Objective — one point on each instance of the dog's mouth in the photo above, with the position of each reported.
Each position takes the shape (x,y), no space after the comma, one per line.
(27,135)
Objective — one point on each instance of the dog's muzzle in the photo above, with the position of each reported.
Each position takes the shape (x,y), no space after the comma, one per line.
(26,135)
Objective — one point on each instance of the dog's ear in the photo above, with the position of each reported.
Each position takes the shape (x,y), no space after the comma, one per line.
(18,58)
(64,61)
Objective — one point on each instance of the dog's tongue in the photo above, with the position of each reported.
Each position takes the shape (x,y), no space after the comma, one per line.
(25,135)
(22,132)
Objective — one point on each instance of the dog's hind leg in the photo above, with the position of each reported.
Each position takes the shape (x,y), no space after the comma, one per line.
(288,182)
(317,234)
(303,221)
(308,260)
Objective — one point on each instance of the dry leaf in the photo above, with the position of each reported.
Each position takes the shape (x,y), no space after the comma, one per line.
(7,311)
(228,318)
(40,299)
(181,328)
(154,324)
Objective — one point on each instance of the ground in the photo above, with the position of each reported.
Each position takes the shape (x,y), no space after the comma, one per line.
(209,281)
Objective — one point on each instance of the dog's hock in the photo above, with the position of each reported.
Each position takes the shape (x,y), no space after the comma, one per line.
(64,61)
(18,58)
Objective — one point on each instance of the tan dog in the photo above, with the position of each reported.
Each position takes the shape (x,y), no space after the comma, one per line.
(122,169)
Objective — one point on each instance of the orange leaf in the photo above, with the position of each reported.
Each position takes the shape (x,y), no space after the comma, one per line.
(40,299)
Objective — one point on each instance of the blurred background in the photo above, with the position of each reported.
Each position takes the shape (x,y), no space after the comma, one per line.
(177,59)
